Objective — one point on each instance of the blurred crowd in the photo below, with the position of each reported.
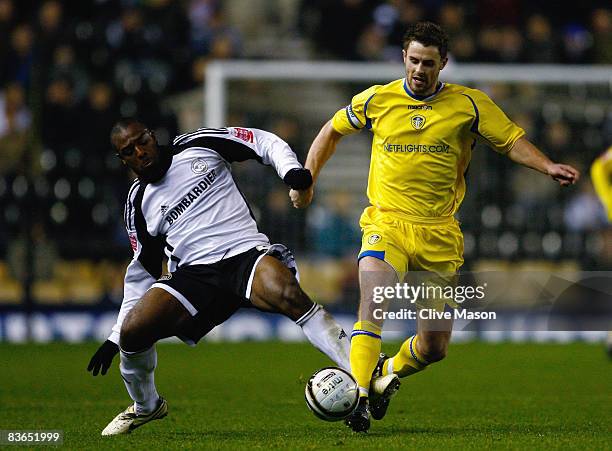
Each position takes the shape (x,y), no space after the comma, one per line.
(69,69)
(487,31)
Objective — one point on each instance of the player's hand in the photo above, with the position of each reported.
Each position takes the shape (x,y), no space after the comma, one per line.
(564,174)
(103,358)
(301,198)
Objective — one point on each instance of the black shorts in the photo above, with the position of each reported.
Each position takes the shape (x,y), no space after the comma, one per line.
(212,293)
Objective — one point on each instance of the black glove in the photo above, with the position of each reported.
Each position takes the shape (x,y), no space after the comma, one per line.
(103,358)
(298,178)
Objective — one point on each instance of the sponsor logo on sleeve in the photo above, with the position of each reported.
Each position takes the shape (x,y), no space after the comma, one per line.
(133,242)
(243,134)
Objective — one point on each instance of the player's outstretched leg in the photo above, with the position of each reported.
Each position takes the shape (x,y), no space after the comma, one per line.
(326,335)
(157,315)
(275,289)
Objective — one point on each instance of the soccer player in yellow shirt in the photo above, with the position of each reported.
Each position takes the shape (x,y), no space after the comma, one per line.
(601,176)
(423,135)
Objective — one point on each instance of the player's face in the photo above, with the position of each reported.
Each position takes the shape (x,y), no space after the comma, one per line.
(423,65)
(137,148)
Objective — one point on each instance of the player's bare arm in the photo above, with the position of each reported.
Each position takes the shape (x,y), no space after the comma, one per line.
(525,153)
(322,148)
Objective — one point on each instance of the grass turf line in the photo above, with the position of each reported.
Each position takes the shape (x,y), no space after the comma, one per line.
(251,396)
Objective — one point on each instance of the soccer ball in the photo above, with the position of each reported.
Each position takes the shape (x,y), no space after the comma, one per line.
(332,394)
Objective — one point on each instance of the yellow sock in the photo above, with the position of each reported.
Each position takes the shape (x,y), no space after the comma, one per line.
(407,361)
(365,349)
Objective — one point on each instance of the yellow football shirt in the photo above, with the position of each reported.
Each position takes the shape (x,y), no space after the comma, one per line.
(601,176)
(422,146)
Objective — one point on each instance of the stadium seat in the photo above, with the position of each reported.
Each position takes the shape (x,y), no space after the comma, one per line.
(11,291)
(49,291)
(321,279)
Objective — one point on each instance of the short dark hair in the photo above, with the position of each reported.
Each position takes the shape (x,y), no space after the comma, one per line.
(122,125)
(427,33)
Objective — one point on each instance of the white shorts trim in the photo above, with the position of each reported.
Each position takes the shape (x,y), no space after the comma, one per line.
(182,299)
(249,286)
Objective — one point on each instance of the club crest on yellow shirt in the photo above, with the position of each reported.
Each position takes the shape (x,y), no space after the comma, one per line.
(417,121)
(373,239)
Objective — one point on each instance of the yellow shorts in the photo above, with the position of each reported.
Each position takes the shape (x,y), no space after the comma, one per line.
(408,244)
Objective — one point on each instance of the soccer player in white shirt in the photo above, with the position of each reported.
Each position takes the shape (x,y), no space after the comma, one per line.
(185,207)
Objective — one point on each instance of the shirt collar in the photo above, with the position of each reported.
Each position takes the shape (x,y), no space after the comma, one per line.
(422,98)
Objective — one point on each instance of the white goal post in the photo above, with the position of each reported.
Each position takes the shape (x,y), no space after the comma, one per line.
(218,73)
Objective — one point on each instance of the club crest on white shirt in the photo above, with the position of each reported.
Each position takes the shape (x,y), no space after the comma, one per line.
(199,166)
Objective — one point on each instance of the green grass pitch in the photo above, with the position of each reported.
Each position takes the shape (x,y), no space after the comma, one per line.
(251,396)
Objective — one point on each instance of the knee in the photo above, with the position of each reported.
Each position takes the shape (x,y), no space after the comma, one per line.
(131,337)
(433,352)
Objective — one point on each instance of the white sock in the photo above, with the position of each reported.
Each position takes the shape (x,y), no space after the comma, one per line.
(137,371)
(390,366)
(326,335)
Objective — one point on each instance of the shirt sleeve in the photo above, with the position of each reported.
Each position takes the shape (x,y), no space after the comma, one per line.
(491,125)
(601,176)
(353,117)
(240,144)
(137,279)
(136,283)
(274,152)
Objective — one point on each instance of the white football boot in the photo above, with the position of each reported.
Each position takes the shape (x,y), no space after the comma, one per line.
(382,389)
(128,420)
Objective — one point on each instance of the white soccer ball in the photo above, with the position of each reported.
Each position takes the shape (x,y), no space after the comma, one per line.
(332,394)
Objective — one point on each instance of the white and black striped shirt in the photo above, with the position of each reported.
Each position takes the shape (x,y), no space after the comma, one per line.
(195,214)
